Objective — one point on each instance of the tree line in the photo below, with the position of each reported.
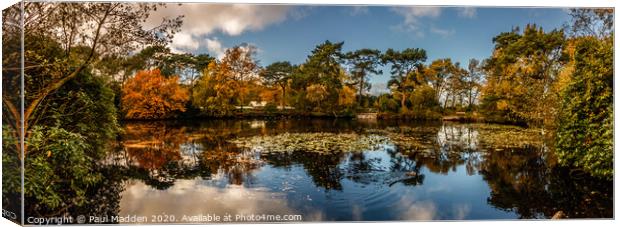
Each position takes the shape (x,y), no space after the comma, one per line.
(330,82)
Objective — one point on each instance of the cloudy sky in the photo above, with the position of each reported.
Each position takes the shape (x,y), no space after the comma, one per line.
(288,32)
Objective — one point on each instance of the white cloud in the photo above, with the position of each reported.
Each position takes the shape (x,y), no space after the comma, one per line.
(379,88)
(231,19)
(413,16)
(183,42)
(214,47)
(217,49)
(442,32)
(467,12)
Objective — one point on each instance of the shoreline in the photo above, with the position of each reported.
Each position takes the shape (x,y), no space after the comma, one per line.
(386,117)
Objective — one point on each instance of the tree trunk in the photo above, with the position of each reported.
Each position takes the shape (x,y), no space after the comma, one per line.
(471,90)
(283,101)
(360,91)
(403,100)
(32,107)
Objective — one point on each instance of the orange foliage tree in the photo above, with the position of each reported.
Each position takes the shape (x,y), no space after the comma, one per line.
(150,95)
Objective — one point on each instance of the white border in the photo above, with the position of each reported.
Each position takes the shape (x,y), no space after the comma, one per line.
(490,3)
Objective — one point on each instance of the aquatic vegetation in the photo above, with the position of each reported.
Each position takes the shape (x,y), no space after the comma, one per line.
(312,142)
(508,136)
(326,143)
(425,141)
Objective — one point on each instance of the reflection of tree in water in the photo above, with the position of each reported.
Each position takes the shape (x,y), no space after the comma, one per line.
(160,152)
(409,165)
(152,145)
(323,168)
(526,181)
(104,198)
(152,153)
(439,148)
(522,179)
(225,158)
(328,170)
(160,158)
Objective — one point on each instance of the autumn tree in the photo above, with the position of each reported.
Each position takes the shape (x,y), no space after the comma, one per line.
(473,80)
(322,67)
(403,63)
(423,100)
(241,67)
(226,83)
(346,97)
(214,93)
(278,74)
(521,73)
(149,95)
(187,66)
(316,93)
(363,62)
(438,74)
(456,86)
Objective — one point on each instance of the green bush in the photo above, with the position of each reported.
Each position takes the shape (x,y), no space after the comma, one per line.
(385,103)
(585,130)
(64,147)
(271,107)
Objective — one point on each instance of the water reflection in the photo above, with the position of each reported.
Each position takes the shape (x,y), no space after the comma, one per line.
(420,171)
(194,197)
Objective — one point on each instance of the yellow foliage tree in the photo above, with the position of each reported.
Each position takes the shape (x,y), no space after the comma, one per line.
(346,96)
(316,93)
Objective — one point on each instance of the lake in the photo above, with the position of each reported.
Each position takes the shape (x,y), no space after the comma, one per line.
(340,170)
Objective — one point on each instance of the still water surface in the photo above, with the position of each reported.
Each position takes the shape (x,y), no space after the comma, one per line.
(349,170)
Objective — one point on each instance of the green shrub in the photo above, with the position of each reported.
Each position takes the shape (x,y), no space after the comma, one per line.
(271,107)
(585,130)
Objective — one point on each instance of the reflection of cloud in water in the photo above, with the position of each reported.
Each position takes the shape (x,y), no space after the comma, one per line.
(189,197)
(461,211)
(417,210)
(420,211)
(357,212)
(414,209)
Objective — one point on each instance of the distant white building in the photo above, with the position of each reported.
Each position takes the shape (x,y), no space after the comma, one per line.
(262,104)
(258,104)
(253,104)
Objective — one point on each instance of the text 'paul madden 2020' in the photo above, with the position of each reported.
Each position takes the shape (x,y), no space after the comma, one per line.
(196,218)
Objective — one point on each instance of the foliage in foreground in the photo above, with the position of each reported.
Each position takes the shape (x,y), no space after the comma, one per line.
(63,151)
(585,133)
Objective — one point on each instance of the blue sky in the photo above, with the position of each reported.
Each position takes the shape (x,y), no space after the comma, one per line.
(289,33)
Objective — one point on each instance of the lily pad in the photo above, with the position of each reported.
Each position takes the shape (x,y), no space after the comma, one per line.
(312,142)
